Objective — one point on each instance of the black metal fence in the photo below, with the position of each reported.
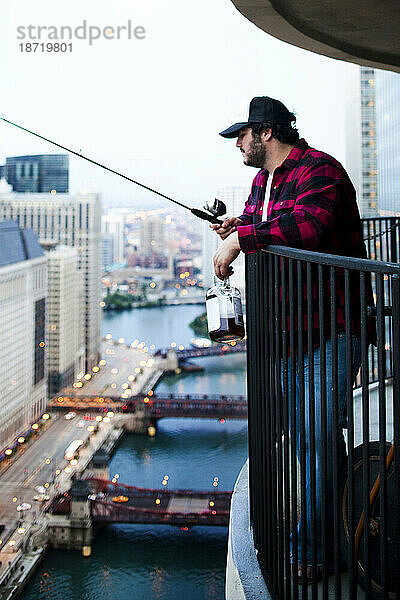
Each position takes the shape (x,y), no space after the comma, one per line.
(324,418)
(382,240)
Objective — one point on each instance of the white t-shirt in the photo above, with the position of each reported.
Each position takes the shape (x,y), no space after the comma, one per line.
(266,199)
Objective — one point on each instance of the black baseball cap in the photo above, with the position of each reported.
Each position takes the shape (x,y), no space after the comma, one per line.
(262,110)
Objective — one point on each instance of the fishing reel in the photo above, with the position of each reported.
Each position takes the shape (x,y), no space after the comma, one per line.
(216,208)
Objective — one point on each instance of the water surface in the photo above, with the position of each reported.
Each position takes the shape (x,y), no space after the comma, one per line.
(135,562)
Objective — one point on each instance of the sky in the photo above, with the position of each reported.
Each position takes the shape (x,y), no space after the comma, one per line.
(152,108)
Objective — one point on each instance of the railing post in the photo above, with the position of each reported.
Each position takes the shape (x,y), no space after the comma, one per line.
(393,239)
(395,526)
(254,473)
(276,308)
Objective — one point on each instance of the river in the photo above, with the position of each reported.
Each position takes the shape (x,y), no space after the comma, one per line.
(135,562)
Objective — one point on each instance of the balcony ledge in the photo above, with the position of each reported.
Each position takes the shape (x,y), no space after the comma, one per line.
(244,580)
(364,32)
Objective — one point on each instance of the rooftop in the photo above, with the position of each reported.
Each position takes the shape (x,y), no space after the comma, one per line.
(16,244)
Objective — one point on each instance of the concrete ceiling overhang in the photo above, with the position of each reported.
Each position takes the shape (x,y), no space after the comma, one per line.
(366,32)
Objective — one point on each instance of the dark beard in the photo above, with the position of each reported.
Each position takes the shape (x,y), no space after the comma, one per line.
(256,153)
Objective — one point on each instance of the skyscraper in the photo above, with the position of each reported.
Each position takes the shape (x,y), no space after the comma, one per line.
(72,221)
(152,231)
(112,226)
(66,345)
(107,241)
(235,198)
(361,144)
(40,173)
(211,242)
(23,364)
(387,140)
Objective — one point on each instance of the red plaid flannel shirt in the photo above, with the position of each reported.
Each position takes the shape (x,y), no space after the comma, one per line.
(312,206)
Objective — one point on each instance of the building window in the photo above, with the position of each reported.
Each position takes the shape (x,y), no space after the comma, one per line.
(39,353)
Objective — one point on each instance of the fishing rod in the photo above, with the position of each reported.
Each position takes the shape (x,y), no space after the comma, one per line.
(215,209)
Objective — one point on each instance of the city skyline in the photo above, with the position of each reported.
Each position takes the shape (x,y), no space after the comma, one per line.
(73,220)
(153,108)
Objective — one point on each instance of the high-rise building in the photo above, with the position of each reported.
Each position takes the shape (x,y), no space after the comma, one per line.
(113,226)
(40,173)
(387,140)
(23,364)
(361,143)
(107,245)
(152,236)
(211,242)
(73,221)
(66,356)
(235,198)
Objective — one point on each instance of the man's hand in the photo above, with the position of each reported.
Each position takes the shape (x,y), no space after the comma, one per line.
(227,227)
(225,255)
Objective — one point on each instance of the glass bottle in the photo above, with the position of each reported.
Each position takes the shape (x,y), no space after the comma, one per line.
(224,312)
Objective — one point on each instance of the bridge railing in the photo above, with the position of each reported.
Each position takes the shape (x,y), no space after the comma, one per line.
(325,458)
(213,350)
(122,488)
(162,405)
(106,511)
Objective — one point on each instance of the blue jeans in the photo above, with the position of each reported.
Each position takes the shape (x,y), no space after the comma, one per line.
(342,418)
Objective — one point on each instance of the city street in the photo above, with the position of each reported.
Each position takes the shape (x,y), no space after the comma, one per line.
(37,466)
(123,374)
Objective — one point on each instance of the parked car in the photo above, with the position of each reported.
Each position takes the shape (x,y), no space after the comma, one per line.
(24,506)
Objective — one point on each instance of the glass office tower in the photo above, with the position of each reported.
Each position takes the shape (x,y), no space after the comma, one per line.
(388,138)
(38,174)
(361,144)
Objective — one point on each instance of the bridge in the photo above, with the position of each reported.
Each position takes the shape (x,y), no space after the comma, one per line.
(214,350)
(211,406)
(194,406)
(120,503)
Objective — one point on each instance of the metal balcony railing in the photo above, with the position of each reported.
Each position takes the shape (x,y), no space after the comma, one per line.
(324,418)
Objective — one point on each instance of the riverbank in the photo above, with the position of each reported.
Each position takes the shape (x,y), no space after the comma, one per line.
(156,303)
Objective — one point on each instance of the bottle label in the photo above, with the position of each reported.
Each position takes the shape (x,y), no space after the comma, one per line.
(238,311)
(212,306)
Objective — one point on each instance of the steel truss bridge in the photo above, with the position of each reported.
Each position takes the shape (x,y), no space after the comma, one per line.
(215,350)
(159,406)
(184,508)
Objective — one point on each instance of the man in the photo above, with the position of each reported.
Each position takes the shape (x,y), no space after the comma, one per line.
(303,198)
